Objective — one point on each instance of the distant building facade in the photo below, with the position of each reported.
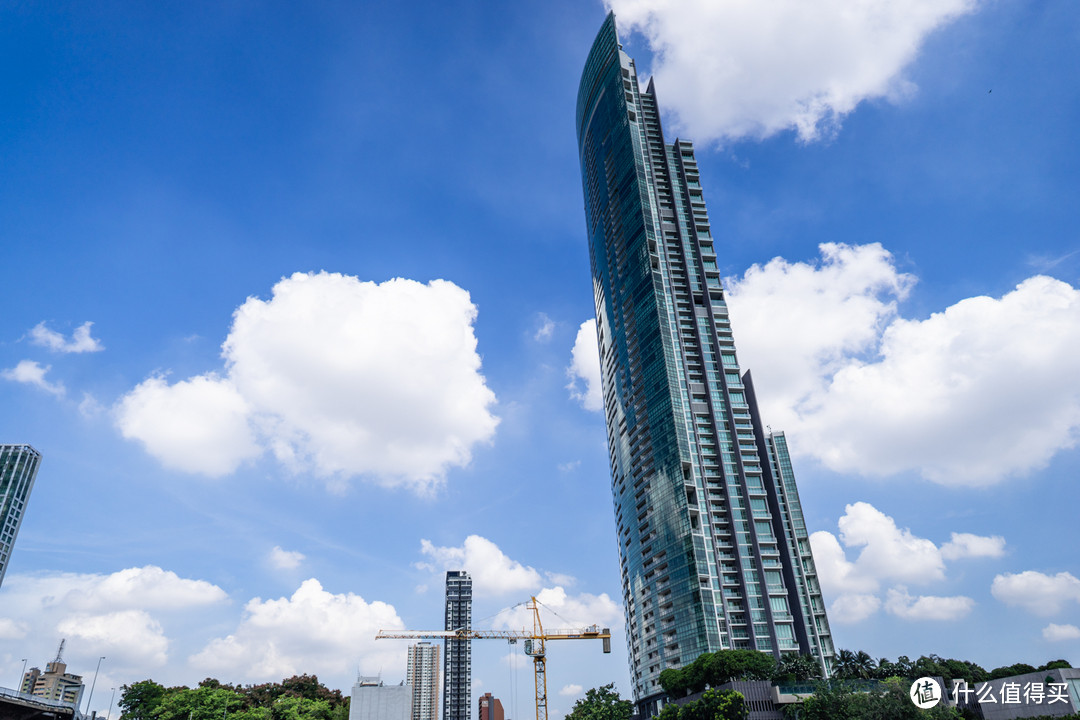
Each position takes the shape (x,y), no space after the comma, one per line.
(1046,693)
(56,683)
(457,665)
(423,676)
(18,468)
(490,708)
(372,700)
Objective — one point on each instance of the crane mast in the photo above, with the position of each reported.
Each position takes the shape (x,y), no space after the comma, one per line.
(534,644)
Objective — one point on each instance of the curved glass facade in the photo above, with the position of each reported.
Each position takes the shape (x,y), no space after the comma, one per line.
(714,551)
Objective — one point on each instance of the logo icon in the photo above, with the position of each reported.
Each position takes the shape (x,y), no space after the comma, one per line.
(925,693)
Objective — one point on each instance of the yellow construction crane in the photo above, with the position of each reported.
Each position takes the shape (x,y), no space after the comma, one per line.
(534,644)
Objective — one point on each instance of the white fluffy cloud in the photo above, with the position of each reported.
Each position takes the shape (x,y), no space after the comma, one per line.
(198,425)
(124,615)
(560,609)
(571,690)
(312,631)
(1056,633)
(491,570)
(81,341)
(346,377)
(797,324)
(32,373)
(733,69)
(865,391)
(1038,593)
(131,634)
(927,607)
(584,368)
(888,551)
(850,609)
(148,587)
(285,559)
(966,545)
(889,554)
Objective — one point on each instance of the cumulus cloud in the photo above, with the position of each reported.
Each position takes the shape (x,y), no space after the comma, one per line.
(31,373)
(797,324)
(927,607)
(131,634)
(1055,633)
(491,570)
(285,559)
(850,609)
(197,426)
(571,690)
(966,545)
(1037,593)
(312,631)
(344,377)
(80,342)
(584,370)
(726,70)
(866,391)
(122,615)
(148,587)
(559,608)
(888,554)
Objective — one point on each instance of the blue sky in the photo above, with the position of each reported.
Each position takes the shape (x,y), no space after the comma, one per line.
(335,266)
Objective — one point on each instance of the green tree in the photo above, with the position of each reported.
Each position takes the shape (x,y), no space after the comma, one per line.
(840,701)
(715,704)
(602,703)
(139,700)
(201,703)
(792,668)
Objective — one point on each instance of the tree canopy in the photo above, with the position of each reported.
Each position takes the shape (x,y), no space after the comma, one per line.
(602,703)
(301,697)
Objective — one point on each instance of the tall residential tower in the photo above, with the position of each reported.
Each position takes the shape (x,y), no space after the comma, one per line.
(714,551)
(18,468)
(457,666)
(422,675)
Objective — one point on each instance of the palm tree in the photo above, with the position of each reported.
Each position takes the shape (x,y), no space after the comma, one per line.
(864,665)
(845,665)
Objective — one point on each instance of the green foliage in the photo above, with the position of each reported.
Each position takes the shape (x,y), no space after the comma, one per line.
(792,669)
(1010,670)
(714,704)
(713,669)
(602,703)
(1056,665)
(839,701)
(139,700)
(301,697)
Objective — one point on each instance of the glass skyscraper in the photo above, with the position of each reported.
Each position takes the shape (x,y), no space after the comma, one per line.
(18,468)
(714,551)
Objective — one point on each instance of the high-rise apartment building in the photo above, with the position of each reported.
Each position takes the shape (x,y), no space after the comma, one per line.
(714,551)
(457,666)
(18,468)
(422,674)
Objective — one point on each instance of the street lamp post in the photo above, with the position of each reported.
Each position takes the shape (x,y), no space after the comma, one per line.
(93,684)
(109,714)
(23,676)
